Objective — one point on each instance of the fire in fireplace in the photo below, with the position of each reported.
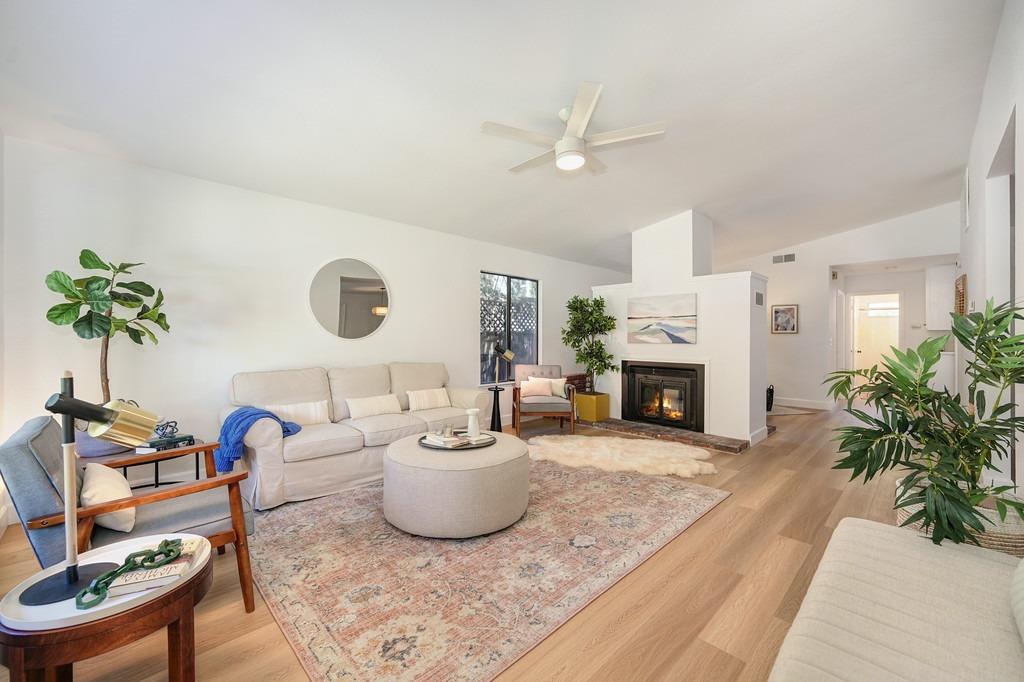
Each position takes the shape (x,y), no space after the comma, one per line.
(664,393)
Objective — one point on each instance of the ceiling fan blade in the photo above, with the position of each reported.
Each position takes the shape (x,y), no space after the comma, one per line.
(538,160)
(583,108)
(595,164)
(502,130)
(623,134)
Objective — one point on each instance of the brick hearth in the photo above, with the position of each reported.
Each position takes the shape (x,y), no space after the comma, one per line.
(702,440)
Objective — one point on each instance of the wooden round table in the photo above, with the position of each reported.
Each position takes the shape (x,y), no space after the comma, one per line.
(33,654)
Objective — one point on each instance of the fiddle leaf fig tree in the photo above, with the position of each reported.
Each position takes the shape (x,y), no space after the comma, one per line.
(944,445)
(100,306)
(587,322)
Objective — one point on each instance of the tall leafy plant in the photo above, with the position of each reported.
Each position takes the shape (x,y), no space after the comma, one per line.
(93,304)
(587,323)
(944,446)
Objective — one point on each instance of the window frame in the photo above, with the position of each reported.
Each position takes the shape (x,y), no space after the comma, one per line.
(508,320)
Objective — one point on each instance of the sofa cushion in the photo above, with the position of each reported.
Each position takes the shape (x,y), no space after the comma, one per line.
(887,604)
(436,418)
(382,429)
(314,412)
(378,404)
(428,399)
(356,382)
(285,387)
(1017,598)
(321,440)
(541,403)
(414,376)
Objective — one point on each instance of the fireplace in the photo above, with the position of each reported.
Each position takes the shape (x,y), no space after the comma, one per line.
(667,393)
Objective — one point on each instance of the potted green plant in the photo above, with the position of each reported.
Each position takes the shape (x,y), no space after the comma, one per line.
(945,446)
(90,303)
(587,323)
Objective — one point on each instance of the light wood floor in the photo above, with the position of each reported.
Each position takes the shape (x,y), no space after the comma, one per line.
(714,604)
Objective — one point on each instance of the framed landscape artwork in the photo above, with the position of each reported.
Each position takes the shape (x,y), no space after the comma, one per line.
(662,319)
(785,319)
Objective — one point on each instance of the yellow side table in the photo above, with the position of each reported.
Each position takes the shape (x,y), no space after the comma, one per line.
(593,407)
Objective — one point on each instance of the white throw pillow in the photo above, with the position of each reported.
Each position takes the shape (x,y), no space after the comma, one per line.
(428,399)
(314,412)
(557,387)
(535,387)
(103,484)
(378,404)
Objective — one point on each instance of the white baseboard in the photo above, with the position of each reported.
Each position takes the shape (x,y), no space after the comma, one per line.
(758,436)
(806,404)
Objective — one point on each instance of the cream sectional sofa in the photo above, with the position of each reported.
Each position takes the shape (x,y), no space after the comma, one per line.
(338,452)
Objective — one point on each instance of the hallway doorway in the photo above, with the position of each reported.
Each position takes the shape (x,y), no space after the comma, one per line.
(875,328)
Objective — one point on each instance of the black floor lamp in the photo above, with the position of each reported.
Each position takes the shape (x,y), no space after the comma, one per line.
(499,352)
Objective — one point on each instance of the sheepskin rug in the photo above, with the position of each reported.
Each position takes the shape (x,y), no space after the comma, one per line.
(642,455)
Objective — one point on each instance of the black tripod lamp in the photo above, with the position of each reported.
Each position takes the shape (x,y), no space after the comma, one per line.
(499,352)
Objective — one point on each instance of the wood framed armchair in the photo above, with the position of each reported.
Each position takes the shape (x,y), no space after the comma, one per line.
(542,406)
(31,466)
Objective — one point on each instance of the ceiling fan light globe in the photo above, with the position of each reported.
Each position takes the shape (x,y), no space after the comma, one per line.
(570,161)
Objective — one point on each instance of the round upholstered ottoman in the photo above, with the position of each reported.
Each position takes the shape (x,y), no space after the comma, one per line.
(456,494)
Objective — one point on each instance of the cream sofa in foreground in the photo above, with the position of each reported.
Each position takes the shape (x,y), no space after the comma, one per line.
(338,452)
(887,604)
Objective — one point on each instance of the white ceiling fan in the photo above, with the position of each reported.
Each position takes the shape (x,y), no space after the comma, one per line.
(573,150)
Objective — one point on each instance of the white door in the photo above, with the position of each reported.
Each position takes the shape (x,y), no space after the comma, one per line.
(876,328)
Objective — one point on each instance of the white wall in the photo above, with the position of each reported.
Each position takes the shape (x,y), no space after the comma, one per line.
(236,266)
(797,363)
(1002,96)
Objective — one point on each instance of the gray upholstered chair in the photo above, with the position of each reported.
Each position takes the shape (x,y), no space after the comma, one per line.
(542,406)
(32,468)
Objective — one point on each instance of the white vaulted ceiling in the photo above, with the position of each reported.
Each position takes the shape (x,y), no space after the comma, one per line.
(787,120)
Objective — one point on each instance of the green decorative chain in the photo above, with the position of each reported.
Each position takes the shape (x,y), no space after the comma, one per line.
(166,552)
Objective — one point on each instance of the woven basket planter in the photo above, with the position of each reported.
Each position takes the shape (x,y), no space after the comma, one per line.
(1003,536)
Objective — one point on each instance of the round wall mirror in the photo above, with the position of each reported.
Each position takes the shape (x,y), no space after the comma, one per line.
(349,298)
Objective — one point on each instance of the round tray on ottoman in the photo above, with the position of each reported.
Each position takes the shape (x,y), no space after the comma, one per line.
(456,494)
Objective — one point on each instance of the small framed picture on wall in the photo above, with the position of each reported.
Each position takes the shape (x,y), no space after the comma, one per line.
(785,319)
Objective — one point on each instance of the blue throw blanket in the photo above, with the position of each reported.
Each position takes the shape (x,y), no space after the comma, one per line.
(232,433)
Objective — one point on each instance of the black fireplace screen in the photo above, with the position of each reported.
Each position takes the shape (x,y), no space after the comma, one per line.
(664,393)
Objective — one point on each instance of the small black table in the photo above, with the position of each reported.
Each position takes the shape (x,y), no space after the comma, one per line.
(496,407)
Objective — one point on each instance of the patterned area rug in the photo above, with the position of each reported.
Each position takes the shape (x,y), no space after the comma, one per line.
(361,600)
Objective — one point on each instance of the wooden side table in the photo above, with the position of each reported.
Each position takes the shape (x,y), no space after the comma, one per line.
(37,654)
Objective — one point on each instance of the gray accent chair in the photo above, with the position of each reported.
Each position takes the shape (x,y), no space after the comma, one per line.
(542,406)
(31,464)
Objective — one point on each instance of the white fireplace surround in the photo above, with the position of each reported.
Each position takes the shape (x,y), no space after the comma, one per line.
(674,257)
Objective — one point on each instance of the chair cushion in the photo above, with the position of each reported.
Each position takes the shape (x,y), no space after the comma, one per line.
(321,440)
(438,417)
(536,388)
(285,387)
(31,466)
(542,403)
(524,372)
(103,484)
(382,429)
(356,382)
(204,513)
(557,386)
(415,376)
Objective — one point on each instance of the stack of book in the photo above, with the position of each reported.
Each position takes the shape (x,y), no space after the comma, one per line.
(148,578)
(456,440)
(160,444)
